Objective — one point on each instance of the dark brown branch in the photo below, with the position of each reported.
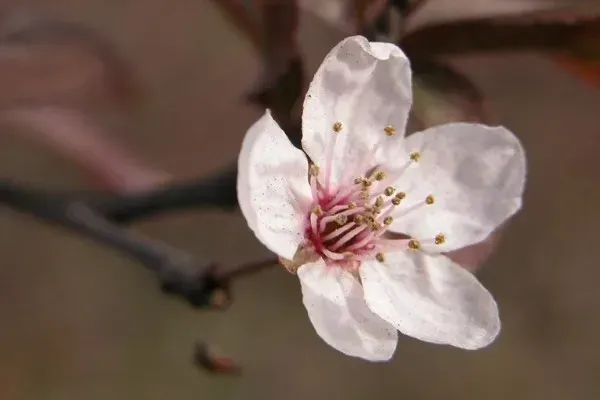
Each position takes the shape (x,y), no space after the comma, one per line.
(218,191)
(534,31)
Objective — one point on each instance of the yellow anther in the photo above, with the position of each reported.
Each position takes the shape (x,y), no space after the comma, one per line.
(358,180)
(359,219)
(366,183)
(389,190)
(380,257)
(337,127)
(379,176)
(389,130)
(429,200)
(414,244)
(379,201)
(376,210)
(351,205)
(415,156)
(440,238)
(400,195)
(376,226)
(363,195)
(396,201)
(314,170)
(388,221)
(341,219)
(317,210)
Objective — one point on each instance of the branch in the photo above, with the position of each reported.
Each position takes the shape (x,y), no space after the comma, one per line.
(178,272)
(197,281)
(215,191)
(96,216)
(547,31)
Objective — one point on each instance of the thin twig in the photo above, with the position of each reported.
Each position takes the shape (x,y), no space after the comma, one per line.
(216,191)
(246,269)
(178,272)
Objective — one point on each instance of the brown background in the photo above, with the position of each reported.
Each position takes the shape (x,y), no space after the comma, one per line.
(80,322)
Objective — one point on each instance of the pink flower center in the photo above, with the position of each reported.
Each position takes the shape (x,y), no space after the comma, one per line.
(346,225)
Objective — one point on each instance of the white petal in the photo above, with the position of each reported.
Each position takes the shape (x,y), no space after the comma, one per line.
(432,299)
(476,174)
(336,307)
(272,187)
(365,86)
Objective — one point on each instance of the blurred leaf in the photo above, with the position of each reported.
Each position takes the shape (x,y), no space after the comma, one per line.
(442,95)
(556,31)
(33,33)
(581,55)
(586,70)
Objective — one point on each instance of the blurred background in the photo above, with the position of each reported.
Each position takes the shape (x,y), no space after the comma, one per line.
(79,322)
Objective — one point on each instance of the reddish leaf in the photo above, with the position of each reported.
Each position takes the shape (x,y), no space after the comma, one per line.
(587,71)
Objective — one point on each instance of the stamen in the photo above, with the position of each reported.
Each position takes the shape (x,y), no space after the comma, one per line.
(314,189)
(389,130)
(389,190)
(341,195)
(416,156)
(333,255)
(429,200)
(338,232)
(337,209)
(379,176)
(414,244)
(395,175)
(368,157)
(347,237)
(380,257)
(376,226)
(341,219)
(337,127)
(440,239)
(391,245)
(331,218)
(314,170)
(314,223)
(365,240)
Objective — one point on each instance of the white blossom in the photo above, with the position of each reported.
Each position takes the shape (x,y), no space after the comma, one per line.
(367,220)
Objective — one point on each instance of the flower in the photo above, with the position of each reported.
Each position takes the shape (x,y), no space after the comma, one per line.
(366,222)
